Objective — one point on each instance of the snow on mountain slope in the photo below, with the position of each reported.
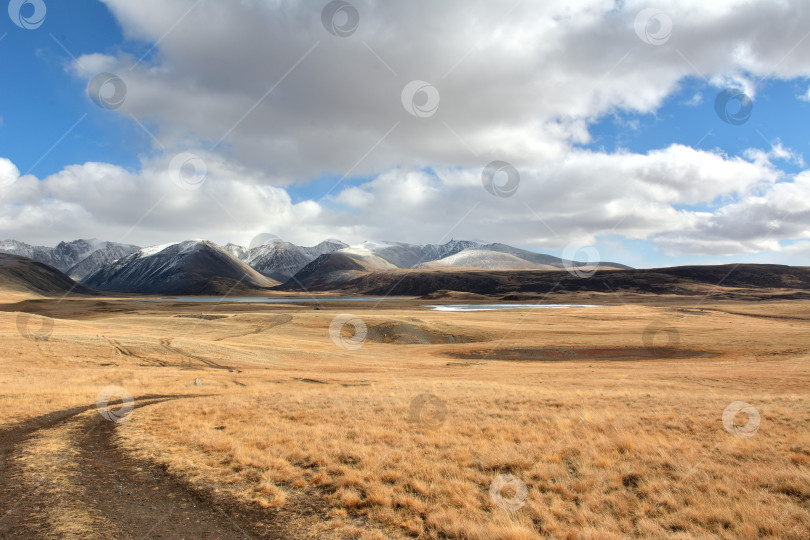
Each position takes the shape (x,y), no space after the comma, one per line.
(154,250)
(281,260)
(485,259)
(191,267)
(99,258)
(538,258)
(327,246)
(38,253)
(556,262)
(69,255)
(409,255)
(505,257)
(181,267)
(240,252)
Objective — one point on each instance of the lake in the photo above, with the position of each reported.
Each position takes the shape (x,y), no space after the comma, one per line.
(284,300)
(496,307)
(371,299)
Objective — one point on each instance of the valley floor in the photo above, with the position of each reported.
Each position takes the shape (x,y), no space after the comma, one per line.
(650,417)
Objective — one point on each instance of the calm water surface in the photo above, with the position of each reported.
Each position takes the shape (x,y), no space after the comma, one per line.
(284,300)
(373,299)
(495,307)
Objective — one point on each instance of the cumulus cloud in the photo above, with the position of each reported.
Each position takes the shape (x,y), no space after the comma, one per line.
(679,198)
(270,100)
(266,81)
(580,198)
(153,205)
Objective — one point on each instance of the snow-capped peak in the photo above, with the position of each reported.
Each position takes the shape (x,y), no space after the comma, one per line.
(362,250)
(372,244)
(153,250)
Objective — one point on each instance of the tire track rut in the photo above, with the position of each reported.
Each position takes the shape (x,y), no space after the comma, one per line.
(272,322)
(166,343)
(138,499)
(17,504)
(124,351)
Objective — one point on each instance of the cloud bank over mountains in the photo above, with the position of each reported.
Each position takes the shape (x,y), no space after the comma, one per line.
(289,128)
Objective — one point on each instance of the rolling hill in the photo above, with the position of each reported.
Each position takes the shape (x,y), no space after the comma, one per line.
(675,280)
(332,269)
(23,275)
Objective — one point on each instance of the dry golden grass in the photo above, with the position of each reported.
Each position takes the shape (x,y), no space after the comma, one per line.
(638,458)
(606,449)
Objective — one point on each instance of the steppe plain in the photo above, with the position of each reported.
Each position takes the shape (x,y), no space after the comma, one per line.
(650,416)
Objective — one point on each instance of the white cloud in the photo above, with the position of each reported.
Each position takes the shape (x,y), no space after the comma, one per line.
(801,248)
(585,196)
(267,98)
(777,152)
(92,64)
(519,85)
(355,198)
(695,100)
(679,198)
(754,223)
(144,207)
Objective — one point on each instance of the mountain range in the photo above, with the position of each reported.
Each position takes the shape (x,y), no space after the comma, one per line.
(78,259)
(203,267)
(281,260)
(191,267)
(199,267)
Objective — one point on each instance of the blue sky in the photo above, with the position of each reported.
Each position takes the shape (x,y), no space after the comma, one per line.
(45,100)
(777,107)
(49,123)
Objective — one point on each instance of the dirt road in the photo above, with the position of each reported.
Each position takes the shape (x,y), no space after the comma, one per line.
(127,498)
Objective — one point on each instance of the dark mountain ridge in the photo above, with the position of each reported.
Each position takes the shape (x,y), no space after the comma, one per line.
(25,275)
(194,267)
(675,280)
